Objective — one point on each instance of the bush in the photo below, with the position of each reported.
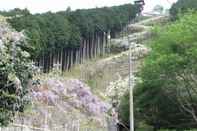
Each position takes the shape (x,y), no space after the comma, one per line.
(15,71)
(124,109)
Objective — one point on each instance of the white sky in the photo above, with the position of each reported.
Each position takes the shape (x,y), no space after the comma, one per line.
(39,6)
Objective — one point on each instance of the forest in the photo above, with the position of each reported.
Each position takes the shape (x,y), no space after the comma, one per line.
(68,37)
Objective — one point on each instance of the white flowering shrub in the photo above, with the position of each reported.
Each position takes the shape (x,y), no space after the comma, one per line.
(15,71)
(116,89)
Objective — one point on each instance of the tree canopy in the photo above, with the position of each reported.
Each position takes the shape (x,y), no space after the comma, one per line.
(166,95)
(182,6)
(65,29)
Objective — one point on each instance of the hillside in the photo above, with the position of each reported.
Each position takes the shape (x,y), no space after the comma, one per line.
(60,101)
(112,68)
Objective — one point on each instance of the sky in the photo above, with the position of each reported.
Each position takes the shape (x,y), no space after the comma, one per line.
(40,6)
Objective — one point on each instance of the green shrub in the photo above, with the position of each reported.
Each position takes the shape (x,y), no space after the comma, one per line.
(15,71)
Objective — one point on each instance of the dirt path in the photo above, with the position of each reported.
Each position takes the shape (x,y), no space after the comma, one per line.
(115,69)
(142,29)
(138,50)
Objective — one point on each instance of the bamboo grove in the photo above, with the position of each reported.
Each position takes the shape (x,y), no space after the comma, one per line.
(68,37)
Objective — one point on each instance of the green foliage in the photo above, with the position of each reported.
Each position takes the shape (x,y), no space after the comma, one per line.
(181,6)
(15,12)
(50,32)
(102,19)
(47,32)
(15,71)
(124,109)
(166,96)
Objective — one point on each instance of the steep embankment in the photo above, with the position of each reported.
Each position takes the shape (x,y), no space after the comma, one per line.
(103,72)
(60,102)
(66,100)
(75,100)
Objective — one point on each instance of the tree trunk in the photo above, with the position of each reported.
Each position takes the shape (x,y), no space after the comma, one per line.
(88,49)
(95,45)
(99,46)
(92,47)
(63,59)
(103,44)
(81,52)
(84,50)
(58,60)
(68,59)
(48,62)
(44,63)
(74,56)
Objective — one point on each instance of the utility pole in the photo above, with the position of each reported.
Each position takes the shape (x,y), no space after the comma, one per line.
(140,4)
(131,85)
